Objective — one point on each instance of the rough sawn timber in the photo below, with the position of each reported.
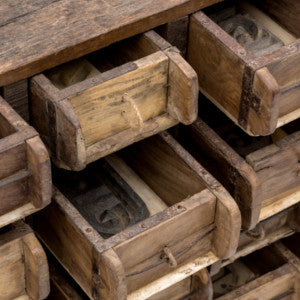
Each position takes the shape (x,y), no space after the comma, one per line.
(41,34)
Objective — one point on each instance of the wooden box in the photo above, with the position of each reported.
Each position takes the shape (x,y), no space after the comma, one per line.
(23,264)
(193,222)
(25,174)
(270,273)
(89,108)
(261,173)
(248,63)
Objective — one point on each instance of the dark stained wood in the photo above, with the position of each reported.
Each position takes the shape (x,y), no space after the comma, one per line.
(42,34)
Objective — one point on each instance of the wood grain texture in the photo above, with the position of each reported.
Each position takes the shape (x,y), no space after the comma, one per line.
(263,183)
(281,280)
(227,166)
(25,173)
(145,87)
(24,268)
(135,260)
(258,91)
(286,12)
(53,32)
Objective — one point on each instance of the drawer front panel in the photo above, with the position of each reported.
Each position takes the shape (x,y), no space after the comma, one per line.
(12,160)
(277,166)
(187,236)
(102,111)
(12,283)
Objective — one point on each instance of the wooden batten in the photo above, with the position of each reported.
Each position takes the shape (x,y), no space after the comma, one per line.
(117,96)
(25,174)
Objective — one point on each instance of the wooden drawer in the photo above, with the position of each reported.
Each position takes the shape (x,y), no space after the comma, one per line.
(261,173)
(194,287)
(193,221)
(269,273)
(89,108)
(23,264)
(25,175)
(253,72)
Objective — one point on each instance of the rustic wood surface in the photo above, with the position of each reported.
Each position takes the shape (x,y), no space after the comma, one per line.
(23,264)
(260,93)
(41,34)
(25,173)
(138,260)
(148,88)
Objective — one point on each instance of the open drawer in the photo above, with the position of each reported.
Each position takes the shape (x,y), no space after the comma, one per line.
(192,220)
(269,273)
(91,107)
(248,63)
(25,175)
(261,173)
(23,264)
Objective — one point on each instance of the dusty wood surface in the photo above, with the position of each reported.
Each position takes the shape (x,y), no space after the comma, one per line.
(131,261)
(25,175)
(261,92)
(261,173)
(141,86)
(23,264)
(272,272)
(47,33)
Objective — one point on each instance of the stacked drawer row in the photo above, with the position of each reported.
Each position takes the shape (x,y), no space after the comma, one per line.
(146,222)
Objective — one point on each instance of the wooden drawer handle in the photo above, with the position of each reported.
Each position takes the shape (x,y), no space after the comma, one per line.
(169,256)
(258,233)
(132,114)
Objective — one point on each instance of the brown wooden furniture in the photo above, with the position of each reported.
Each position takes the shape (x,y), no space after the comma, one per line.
(47,33)
(23,264)
(261,173)
(200,225)
(248,64)
(95,106)
(25,175)
(270,273)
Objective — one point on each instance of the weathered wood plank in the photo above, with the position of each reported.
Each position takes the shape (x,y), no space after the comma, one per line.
(50,33)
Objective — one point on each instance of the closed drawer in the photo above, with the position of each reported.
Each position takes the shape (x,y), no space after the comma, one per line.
(248,63)
(23,264)
(25,175)
(261,173)
(268,273)
(89,108)
(192,221)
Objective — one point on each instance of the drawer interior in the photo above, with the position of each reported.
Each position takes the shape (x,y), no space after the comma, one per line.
(100,61)
(103,198)
(247,269)
(292,243)
(6,128)
(110,203)
(251,27)
(163,170)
